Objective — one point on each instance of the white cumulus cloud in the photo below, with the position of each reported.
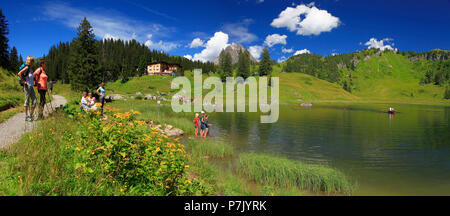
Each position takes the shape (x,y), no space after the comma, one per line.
(379,44)
(165,46)
(213,47)
(256,51)
(282,59)
(284,50)
(108,36)
(188,57)
(303,51)
(197,42)
(314,22)
(275,39)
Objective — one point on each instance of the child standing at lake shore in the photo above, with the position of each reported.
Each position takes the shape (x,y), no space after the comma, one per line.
(206,122)
(196,122)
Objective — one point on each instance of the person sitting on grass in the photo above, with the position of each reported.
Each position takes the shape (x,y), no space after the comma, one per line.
(91,102)
(84,102)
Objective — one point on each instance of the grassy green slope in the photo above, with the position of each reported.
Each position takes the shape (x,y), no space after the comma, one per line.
(392,77)
(294,87)
(298,87)
(11,95)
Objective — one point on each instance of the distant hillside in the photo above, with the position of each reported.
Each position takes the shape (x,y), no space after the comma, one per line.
(385,75)
(299,88)
(234,49)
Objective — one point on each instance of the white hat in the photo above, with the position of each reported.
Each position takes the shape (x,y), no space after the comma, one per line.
(202,112)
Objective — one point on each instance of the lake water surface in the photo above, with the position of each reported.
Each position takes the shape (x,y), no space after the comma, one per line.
(403,154)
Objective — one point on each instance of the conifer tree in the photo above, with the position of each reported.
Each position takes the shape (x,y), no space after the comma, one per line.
(21,60)
(226,66)
(142,69)
(243,64)
(84,68)
(265,67)
(14,60)
(4,48)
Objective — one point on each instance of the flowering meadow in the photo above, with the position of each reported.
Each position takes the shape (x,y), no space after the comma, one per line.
(85,155)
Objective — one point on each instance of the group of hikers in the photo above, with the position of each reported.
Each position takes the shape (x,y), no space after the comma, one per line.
(30,79)
(201,122)
(88,101)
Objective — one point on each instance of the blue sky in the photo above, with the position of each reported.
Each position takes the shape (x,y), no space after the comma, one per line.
(200,29)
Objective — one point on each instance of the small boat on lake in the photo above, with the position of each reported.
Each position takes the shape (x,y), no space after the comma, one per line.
(391,110)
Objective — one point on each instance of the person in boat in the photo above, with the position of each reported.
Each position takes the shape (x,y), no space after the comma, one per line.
(391,110)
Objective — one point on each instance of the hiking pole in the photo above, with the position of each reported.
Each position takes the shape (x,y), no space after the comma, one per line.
(51,101)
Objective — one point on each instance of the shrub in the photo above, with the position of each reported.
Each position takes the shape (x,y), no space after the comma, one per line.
(140,160)
(447,93)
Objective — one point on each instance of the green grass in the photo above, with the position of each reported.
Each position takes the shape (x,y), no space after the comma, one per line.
(299,88)
(392,77)
(279,171)
(210,148)
(38,164)
(11,95)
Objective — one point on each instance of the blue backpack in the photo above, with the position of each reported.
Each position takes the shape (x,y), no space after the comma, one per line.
(23,75)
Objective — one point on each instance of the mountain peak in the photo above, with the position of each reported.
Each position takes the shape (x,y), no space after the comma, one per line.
(233,50)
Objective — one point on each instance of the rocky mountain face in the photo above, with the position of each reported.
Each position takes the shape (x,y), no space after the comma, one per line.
(432,55)
(233,49)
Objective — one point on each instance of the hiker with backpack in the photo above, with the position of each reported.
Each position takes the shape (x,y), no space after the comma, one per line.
(26,79)
(41,85)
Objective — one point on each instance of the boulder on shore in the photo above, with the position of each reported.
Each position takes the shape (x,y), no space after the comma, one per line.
(170,131)
(114,97)
(148,97)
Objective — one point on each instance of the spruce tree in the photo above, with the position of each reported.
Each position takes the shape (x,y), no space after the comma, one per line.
(226,66)
(84,68)
(14,60)
(142,69)
(265,67)
(21,60)
(243,64)
(4,48)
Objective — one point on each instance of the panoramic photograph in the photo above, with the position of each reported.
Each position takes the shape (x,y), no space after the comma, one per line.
(248,98)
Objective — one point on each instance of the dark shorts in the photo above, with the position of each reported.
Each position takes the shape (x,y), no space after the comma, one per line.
(202,127)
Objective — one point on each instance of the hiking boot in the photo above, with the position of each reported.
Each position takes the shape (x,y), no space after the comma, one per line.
(28,118)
